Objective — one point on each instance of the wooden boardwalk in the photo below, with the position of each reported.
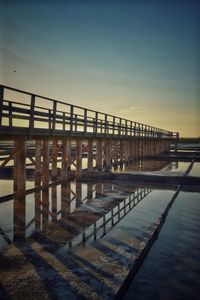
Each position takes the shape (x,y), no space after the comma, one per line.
(47,131)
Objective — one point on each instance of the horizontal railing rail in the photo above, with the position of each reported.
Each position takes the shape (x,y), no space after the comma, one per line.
(21,109)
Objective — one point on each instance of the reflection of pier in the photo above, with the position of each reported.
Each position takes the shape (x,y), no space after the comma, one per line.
(54,137)
(71,214)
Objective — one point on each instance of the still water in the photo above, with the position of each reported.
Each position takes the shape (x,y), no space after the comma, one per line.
(79,241)
(172,267)
(6,186)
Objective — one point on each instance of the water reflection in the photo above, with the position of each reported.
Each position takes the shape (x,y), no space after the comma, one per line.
(146,165)
(72,213)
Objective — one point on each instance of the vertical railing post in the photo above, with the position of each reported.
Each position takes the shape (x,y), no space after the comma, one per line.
(120,124)
(54,117)
(105,120)
(31,120)
(113,132)
(71,117)
(85,120)
(1,103)
(10,114)
(96,123)
(63,121)
(126,128)
(49,119)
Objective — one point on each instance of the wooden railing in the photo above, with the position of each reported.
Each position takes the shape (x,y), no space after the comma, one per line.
(26,113)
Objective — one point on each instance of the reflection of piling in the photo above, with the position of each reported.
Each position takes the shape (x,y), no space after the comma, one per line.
(45,208)
(37,210)
(19,218)
(78,193)
(99,190)
(54,202)
(65,199)
(89,191)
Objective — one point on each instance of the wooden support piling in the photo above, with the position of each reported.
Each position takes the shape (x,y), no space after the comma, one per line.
(45,164)
(78,159)
(121,152)
(66,159)
(115,152)
(38,163)
(107,151)
(20,168)
(90,155)
(54,160)
(99,155)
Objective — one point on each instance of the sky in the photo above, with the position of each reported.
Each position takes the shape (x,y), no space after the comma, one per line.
(136,59)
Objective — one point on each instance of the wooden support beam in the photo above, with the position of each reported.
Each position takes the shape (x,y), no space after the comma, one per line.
(121,152)
(45,164)
(99,154)
(126,151)
(78,159)
(54,157)
(11,156)
(66,160)
(115,152)
(107,150)
(20,168)
(38,164)
(90,155)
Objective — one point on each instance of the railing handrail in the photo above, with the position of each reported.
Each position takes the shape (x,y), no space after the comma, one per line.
(122,123)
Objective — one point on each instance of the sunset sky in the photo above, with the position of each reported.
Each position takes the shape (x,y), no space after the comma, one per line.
(135,59)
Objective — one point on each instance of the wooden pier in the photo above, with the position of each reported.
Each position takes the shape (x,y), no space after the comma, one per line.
(46,131)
